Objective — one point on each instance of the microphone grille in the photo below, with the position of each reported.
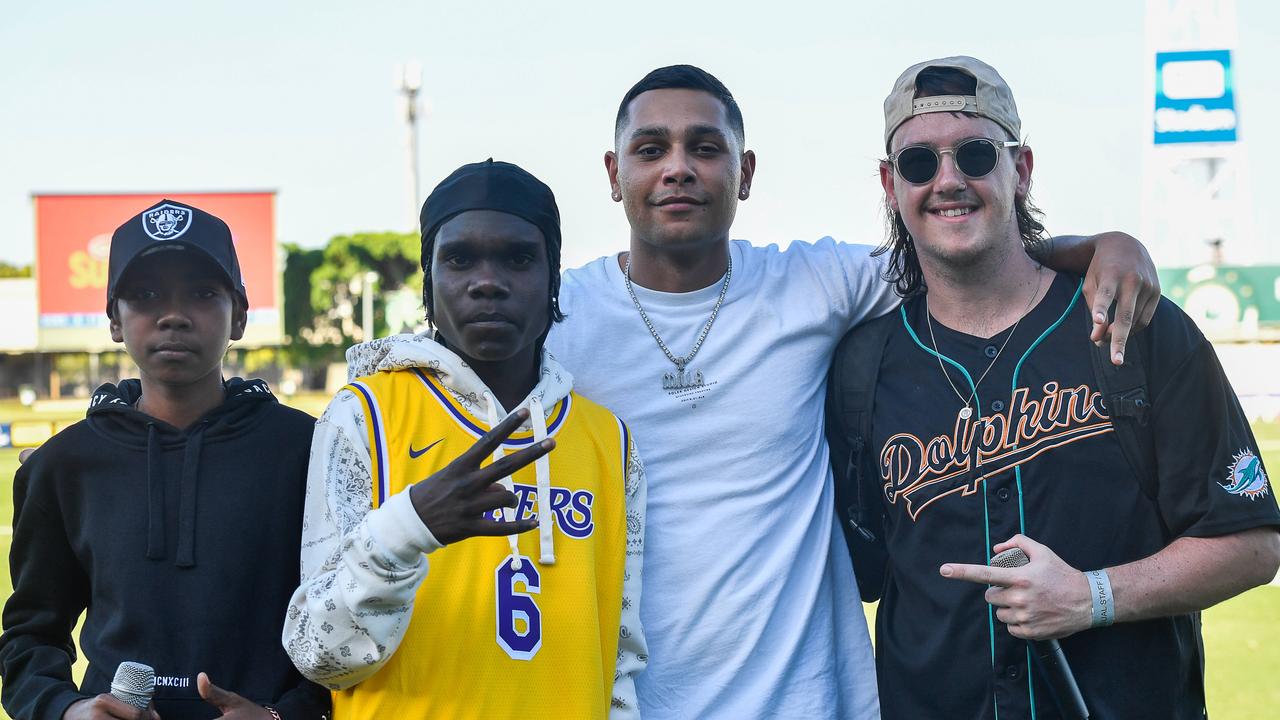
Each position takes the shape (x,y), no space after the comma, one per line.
(1011,558)
(134,684)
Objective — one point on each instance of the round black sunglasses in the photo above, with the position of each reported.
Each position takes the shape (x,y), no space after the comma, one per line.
(975,158)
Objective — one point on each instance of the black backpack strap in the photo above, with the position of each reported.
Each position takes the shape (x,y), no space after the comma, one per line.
(1128,399)
(851,391)
(1125,395)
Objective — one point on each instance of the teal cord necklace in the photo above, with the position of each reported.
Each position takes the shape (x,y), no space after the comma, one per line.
(967,410)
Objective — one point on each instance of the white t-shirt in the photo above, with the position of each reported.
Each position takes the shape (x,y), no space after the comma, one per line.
(750,607)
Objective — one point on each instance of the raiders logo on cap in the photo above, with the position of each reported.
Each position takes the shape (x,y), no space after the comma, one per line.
(166,222)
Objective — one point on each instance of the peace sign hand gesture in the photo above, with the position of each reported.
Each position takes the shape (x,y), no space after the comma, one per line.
(454,502)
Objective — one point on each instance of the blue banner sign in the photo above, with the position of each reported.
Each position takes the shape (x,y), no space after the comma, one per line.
(1195,100)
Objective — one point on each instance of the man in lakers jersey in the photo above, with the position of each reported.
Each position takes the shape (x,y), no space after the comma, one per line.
(528,605)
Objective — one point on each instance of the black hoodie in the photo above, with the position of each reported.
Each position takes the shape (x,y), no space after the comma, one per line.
(182,544)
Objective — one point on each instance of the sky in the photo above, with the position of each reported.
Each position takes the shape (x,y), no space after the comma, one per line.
(299,97)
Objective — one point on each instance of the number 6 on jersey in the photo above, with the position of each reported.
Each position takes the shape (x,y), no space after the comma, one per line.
(519,619)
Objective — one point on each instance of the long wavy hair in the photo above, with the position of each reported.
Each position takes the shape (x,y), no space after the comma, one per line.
(903,269)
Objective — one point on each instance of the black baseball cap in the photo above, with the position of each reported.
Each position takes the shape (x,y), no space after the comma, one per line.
(171,225)
(494,185)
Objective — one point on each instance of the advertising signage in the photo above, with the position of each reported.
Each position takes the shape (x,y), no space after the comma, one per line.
(73,240)
(1195,98)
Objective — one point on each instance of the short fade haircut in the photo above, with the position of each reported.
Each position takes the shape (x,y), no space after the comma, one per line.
(683,77)
(903,269)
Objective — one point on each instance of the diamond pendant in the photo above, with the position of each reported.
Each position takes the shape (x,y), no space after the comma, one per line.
(682,379)
(966,412)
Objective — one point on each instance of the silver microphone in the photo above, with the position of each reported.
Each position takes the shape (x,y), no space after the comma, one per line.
(134,684)
(1062,682)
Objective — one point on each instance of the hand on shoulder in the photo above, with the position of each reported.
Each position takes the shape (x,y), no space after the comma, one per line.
(1121,274)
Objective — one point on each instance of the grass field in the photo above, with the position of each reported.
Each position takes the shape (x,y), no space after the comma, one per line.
(1242,635)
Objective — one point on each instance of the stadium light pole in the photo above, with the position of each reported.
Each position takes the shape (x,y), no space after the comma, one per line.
(409,81)
(366,305)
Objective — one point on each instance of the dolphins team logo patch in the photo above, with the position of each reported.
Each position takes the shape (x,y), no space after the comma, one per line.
(1246,476)
(166,222)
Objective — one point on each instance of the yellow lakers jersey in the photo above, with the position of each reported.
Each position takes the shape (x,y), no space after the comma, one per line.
(487,640)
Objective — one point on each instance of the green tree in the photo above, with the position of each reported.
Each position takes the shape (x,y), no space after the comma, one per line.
(304,346)
(14,271)
(393,256)
(298,265)
(322,291)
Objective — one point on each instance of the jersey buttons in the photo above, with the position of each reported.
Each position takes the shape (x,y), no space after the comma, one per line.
(997,405)
(1003,494)
(991,351)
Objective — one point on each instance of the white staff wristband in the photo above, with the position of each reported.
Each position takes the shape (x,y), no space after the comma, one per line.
(1104,610)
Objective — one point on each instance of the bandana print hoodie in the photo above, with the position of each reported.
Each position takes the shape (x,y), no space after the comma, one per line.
(362,567)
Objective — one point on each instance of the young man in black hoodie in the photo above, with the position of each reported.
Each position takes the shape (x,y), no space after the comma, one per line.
(172,512)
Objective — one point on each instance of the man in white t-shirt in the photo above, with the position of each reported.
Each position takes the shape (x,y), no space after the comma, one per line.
(717,353)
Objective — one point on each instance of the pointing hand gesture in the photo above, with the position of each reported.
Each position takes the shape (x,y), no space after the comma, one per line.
(454,502)
(1046,598)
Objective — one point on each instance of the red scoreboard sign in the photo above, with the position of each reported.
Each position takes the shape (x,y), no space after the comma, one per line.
(73,240)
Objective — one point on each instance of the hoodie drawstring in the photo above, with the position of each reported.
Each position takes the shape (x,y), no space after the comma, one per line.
(542,471)
(508,514)
(187,497)
(155,496)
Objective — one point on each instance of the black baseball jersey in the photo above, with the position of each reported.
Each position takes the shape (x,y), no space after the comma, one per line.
(1039,456)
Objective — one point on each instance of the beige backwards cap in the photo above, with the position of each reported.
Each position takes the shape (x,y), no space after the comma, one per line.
(993,99)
